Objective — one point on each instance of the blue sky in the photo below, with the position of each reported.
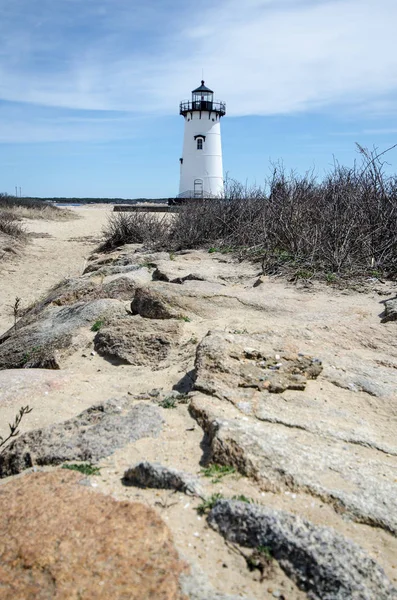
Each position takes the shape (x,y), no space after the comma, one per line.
(90,89)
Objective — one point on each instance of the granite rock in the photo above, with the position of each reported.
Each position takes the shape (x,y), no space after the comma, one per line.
(59,539)
(322,562)
(154,475)
(95,433)
(138,341)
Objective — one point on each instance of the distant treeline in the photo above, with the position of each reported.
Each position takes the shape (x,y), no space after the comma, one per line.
(61,200)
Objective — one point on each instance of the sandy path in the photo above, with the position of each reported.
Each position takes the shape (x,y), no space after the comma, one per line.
(340,327)
(47,260)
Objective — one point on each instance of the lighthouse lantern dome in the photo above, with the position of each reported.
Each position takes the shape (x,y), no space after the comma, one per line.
(202,94)
(202,100)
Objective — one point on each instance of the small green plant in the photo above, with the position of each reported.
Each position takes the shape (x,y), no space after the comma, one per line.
(84,468)
(375,273)
(242,498)
(172,255)
(265,551)
(284,255)
(186,319)
(97,325)
(217,472)
(213,250)
(330,277)
(33,353)
(193,340)
(208,503)
(24,410)
(172,401)
(25,358)
(168,402)
(303,274)
(239,331)
(149,265)
(262,560)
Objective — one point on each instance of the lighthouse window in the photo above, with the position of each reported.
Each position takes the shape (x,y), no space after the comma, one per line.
(199,143)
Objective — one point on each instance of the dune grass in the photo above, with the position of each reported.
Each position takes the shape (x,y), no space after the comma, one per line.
(29,208)
(10,225)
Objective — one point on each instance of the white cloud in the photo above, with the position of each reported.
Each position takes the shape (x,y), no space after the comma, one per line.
(263,57)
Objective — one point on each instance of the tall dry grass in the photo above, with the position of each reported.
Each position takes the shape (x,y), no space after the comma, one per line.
(29,208)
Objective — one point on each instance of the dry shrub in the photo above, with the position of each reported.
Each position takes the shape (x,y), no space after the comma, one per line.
(345,223)
(136,228)
(10,225)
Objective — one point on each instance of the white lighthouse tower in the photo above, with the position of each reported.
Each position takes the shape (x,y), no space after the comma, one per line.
(201,162)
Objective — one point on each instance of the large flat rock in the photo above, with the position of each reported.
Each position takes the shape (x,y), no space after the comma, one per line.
(357,481)
(79,289)
(245,369)
(165,300)
(310,436)
(95,433)
(330,412)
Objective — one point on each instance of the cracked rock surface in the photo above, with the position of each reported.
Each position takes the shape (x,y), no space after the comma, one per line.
(227,365)
(355,480)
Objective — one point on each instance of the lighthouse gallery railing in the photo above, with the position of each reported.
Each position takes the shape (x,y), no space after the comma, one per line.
(189,106)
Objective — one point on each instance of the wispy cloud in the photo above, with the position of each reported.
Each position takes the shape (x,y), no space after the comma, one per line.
(264,57)
(21,123)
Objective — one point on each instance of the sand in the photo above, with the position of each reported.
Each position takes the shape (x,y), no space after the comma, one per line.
(60,253)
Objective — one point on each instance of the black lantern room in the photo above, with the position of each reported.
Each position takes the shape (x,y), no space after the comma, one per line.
(203,99)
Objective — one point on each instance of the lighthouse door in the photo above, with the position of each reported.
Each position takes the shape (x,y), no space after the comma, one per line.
(198,188)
